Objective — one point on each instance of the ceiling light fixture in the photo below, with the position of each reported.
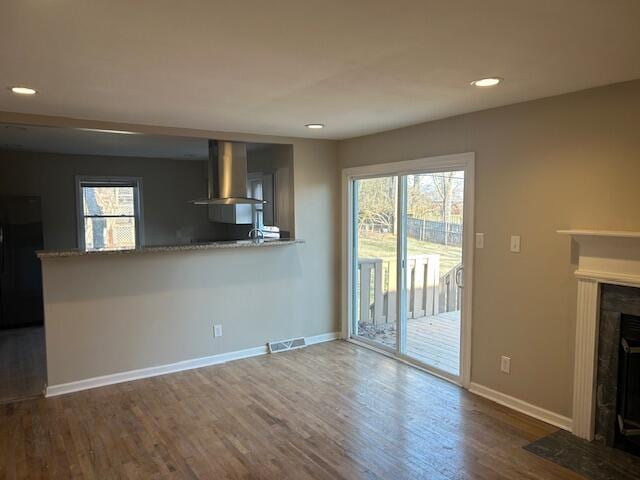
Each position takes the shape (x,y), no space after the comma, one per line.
(486,82)
(314,126)
(23,90)
(102,130)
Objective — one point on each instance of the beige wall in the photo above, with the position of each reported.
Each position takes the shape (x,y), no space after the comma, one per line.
(567,161)
(112,314)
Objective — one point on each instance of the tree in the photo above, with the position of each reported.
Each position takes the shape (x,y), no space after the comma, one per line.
(420,201)
(446,187)
(377,202)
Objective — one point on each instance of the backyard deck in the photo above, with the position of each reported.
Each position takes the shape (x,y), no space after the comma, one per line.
(433,340)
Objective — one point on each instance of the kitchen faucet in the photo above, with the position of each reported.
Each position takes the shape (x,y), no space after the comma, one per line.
(256,234)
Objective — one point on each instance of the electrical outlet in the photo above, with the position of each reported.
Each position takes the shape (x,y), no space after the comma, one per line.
(479,240)
(515,243)
(505,364)
(217,330)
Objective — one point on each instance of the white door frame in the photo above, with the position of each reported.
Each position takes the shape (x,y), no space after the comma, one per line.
(458,161)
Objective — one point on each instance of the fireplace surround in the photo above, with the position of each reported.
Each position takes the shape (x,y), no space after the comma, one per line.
(606,261)
(617,422)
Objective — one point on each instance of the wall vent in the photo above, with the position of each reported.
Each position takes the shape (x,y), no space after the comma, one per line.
(284,345)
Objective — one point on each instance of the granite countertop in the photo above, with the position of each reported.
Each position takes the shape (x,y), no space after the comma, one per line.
(173,248)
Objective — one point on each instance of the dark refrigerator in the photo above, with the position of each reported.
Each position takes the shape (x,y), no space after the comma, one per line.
(20,272)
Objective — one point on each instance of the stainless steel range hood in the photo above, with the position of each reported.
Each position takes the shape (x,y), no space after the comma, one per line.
(227,175)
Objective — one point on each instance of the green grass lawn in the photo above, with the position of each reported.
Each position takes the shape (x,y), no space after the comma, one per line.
(375,245)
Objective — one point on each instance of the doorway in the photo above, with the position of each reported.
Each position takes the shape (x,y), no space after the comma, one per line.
(22,345)
(408,272)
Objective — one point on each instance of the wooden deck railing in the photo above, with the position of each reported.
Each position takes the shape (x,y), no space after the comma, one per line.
(450,291)
(428,293)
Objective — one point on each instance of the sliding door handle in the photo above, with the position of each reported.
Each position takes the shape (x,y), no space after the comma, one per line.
(459,277)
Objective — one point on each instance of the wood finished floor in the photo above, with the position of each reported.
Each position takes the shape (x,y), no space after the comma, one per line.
(330,411)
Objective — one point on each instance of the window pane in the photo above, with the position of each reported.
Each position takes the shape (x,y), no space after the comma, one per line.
(375,275)
(110,233)
(434,209)
(108,200)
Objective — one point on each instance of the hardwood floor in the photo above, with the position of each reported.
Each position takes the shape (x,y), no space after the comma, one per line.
(329,411)
(22,363)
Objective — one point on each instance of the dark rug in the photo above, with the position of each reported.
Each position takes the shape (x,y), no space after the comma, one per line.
(589,459)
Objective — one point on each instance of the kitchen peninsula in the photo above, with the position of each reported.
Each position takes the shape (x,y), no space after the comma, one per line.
(119,315)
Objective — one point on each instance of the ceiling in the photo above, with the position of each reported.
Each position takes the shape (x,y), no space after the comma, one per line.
(269,67)
(74,141)
(81,142)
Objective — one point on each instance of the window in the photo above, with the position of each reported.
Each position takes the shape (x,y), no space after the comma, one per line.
(109,213)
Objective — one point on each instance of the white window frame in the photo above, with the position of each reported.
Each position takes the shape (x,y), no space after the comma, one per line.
(459,161)
(104,181)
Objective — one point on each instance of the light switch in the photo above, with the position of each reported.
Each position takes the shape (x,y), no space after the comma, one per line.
(505,364)
(515,243)
(479,240)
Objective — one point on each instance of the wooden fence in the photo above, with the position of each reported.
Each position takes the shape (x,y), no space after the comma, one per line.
(428,293)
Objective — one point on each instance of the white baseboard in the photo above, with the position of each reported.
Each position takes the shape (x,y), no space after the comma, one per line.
(63,388)
(521,406)
(324,337)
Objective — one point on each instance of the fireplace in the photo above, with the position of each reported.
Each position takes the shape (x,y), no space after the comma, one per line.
(628,435)
(605,383)
(618,368)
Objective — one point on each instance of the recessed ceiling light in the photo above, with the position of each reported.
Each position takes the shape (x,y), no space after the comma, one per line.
(23,90)
(314,126)
(486,82)
(102,130)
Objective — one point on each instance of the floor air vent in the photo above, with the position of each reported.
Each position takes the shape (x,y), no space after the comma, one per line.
(284,345)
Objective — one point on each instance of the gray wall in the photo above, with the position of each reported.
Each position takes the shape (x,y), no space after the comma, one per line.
(270,160)
(168,185)
(571,161)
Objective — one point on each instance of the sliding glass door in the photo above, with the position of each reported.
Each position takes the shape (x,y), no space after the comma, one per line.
(407,233)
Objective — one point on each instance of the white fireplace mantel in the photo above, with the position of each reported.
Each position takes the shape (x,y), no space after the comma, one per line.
(603,257)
